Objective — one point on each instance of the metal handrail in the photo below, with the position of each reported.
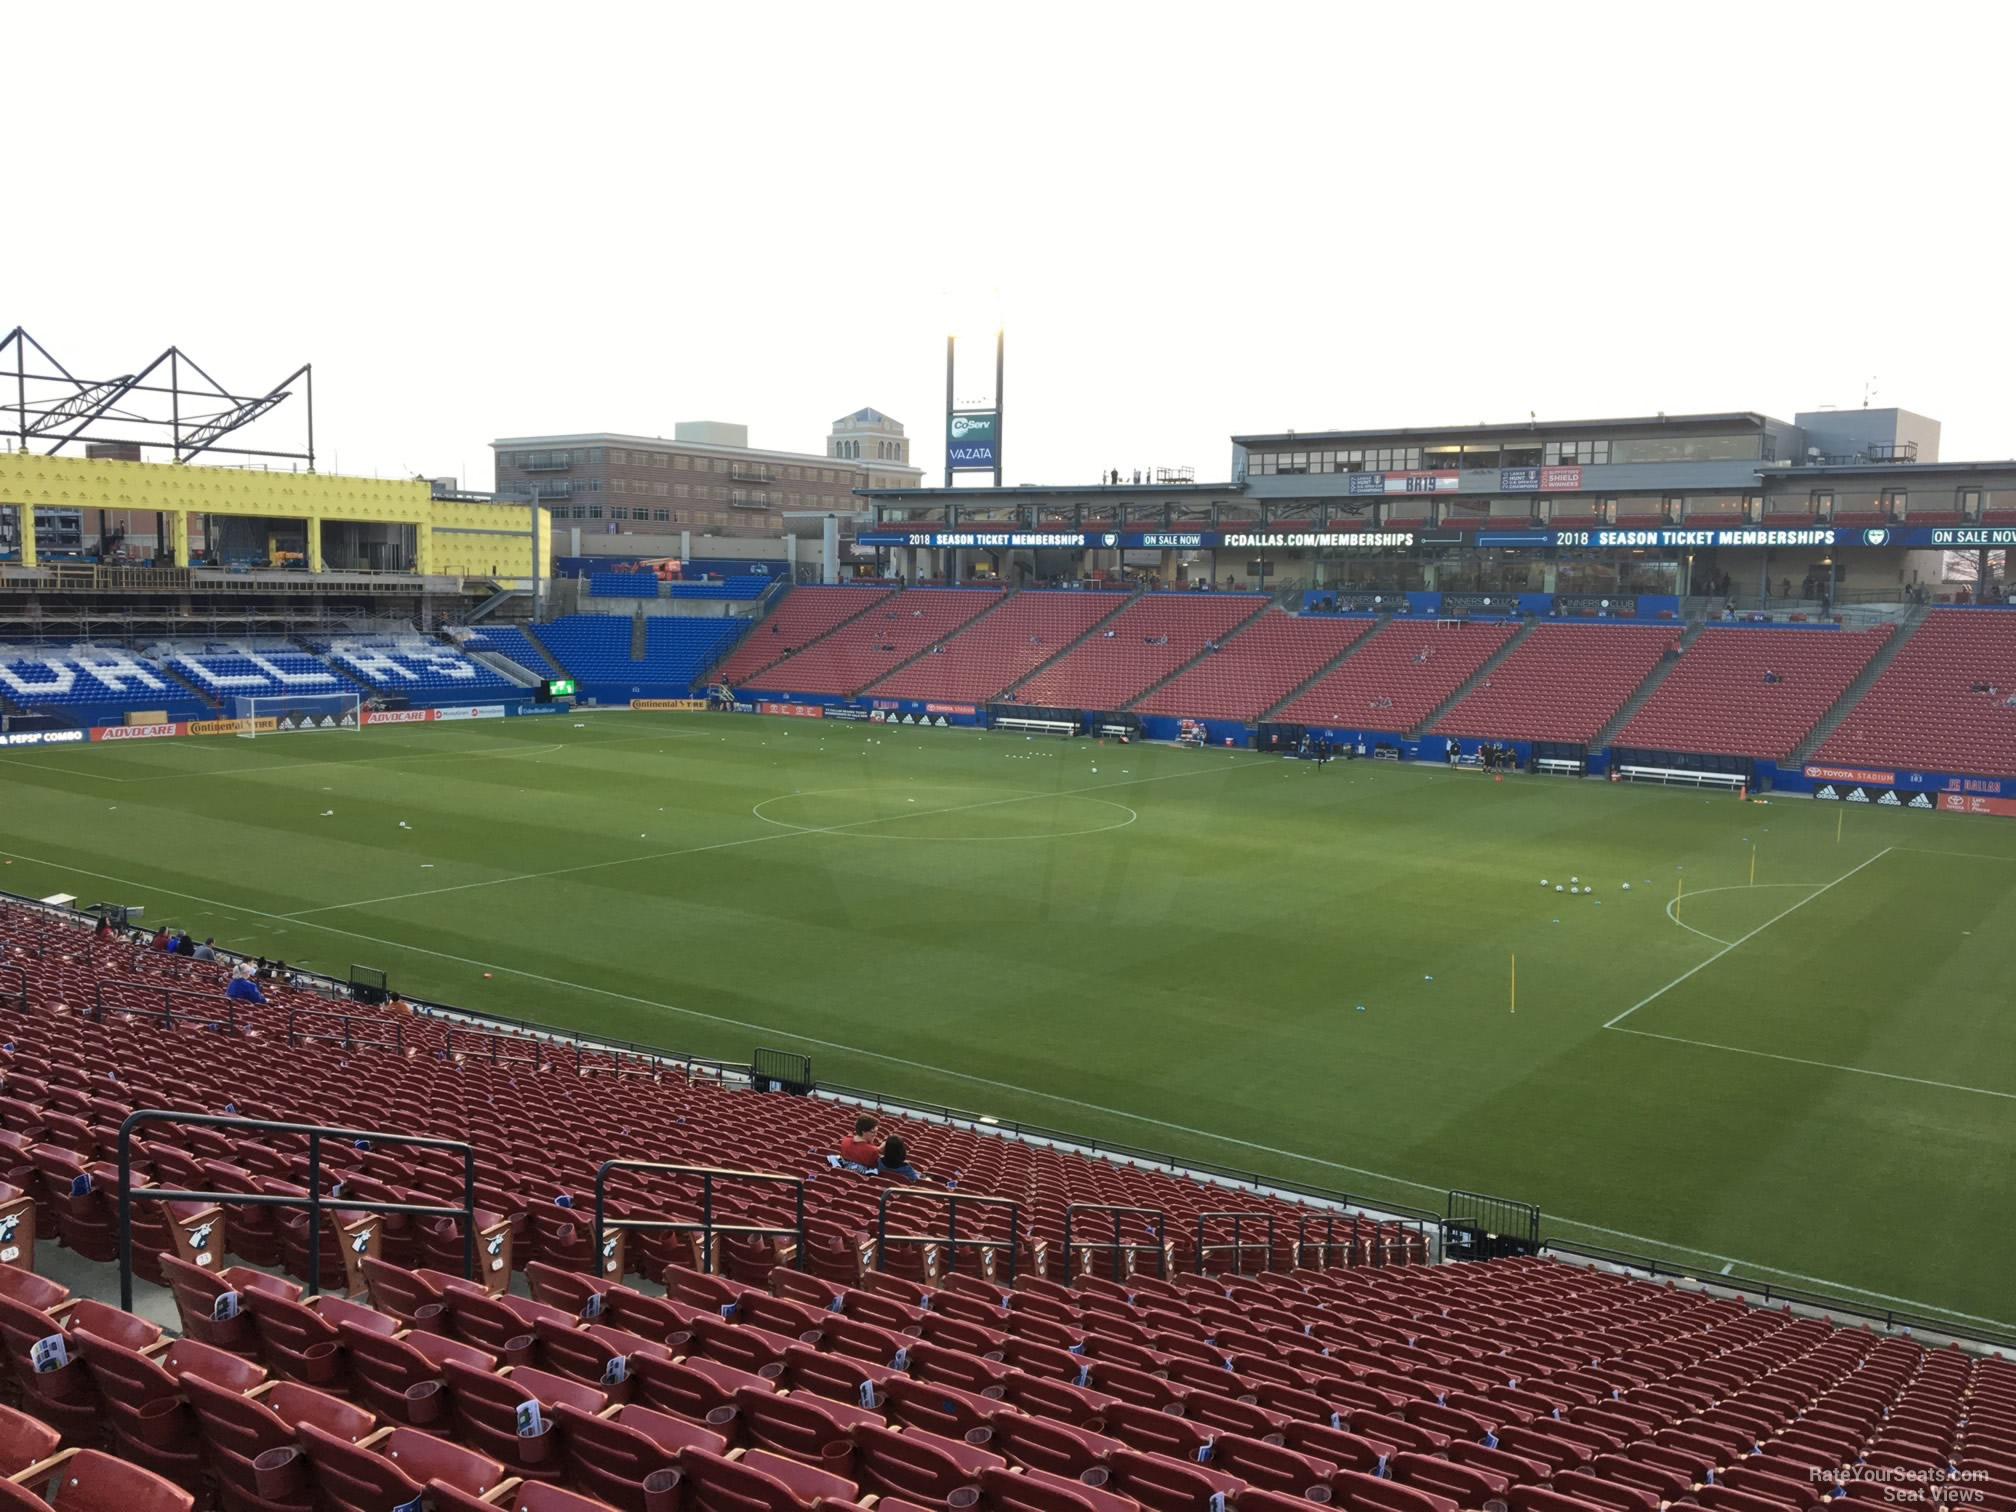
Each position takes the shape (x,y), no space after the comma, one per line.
(1237,1248)
(950,1238)
(448,1045)
(1117,1246)
(166,1012)
(706,1227)
(314,1201)
(345,1039)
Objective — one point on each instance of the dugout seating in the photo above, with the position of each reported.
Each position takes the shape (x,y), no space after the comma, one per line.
(1716,700)
(1561,683)
(1144,643)
(1923,712)
(424,670)
(794,622)
(991,655)
(758,1386)
(93,684)
(870,646)
(1397,677)
(1259,666)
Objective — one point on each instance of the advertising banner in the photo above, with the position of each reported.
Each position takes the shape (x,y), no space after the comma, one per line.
(1968,803)
(938,708)
(1851,774)
(798,711)
(668,703)
(1402,482)
(1294,541)
(41,737)
(845,711)
(972,441)
(139,731)
(471,711)
(1198,540)
(233,726)
(1740,536)
(1560,479)
(397,716)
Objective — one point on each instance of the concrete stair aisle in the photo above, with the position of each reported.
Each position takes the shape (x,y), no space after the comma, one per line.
(1845,704)
(961,629)
(552,661)
(1470,682)
(1644,691)
(640,637)
(204,696)
(1326,669)
(1265,605)
(1126,599)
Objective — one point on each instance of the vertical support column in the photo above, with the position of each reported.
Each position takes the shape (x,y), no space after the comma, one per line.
(830,572)
(314,544)
(24,523)
(685,545)
(178,536)
(423,548)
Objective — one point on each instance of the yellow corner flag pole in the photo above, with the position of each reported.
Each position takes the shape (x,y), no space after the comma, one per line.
(1753,866)
(1840,818)
(1679,886)
(1515,984)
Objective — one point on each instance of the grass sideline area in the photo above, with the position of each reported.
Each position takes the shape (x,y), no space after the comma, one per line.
(1808,1078)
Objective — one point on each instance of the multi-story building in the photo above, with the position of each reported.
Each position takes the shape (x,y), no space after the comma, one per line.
(706,479)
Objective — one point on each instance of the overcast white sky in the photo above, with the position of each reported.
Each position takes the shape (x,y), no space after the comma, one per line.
(503,219)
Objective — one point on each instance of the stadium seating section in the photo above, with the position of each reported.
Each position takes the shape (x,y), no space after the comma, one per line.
(741,586)
(1315,1364)
(801,617)
(511,641)
(1400,675)
(424,670)
(643,585)
(1000,650)
(1924,711)
(1561,683)
(1140,646)
(595,650)
(1258,667)
(1717,700)
(99,684)
(874,645)
(230,671)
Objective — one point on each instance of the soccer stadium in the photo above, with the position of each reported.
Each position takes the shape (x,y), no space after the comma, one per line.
(1457,969)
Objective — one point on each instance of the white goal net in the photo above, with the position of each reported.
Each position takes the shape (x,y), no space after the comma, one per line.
(282,713)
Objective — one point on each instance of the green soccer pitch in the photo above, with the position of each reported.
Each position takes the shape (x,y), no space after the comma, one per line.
(1807,1078)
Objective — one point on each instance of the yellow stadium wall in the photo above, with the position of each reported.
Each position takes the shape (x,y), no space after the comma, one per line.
(454,538)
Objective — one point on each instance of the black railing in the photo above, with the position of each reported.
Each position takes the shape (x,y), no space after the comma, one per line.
(18,993)
(496,1043)
(167,1013)
(1479,1226)
(782,1070)
(1237,1248)
(707,1228)
(345,1038)
(1118,1246)
(950,1238)
(312,1199)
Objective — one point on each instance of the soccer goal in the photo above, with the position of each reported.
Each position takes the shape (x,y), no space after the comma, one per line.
(280,713)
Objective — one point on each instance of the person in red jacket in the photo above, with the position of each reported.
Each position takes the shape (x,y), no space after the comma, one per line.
(862,1147)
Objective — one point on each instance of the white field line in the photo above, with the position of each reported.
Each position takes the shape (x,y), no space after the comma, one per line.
(1923,1081)
(1672,904)
(1691,971)
(767,836)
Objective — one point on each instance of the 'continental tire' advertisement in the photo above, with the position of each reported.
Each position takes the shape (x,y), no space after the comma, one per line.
(668,703)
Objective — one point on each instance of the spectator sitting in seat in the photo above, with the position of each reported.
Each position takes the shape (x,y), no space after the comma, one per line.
(1771,677)
(185,944)
(861,1149)
(160,940)
(207,951)
(104,927)
(243,989)
(896,1160)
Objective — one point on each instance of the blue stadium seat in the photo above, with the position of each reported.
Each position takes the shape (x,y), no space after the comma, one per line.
(623,585)
(595,650)
(91,684)
(229,671)
(426,671)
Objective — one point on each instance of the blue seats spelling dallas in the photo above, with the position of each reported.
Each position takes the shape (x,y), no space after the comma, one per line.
(91,684)
(230,670)
(424,670)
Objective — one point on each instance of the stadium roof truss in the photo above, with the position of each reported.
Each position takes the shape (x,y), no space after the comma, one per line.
(171,405)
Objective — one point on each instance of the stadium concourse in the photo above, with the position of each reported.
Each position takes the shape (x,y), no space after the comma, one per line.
(792,1335)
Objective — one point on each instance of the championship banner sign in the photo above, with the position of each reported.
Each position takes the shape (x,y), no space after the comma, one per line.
(668,703)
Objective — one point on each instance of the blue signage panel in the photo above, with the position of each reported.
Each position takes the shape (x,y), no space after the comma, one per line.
(1365,483)
(1161,540)
(1519,480)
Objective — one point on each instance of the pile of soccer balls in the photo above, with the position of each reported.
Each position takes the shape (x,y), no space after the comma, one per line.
(1576,885)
